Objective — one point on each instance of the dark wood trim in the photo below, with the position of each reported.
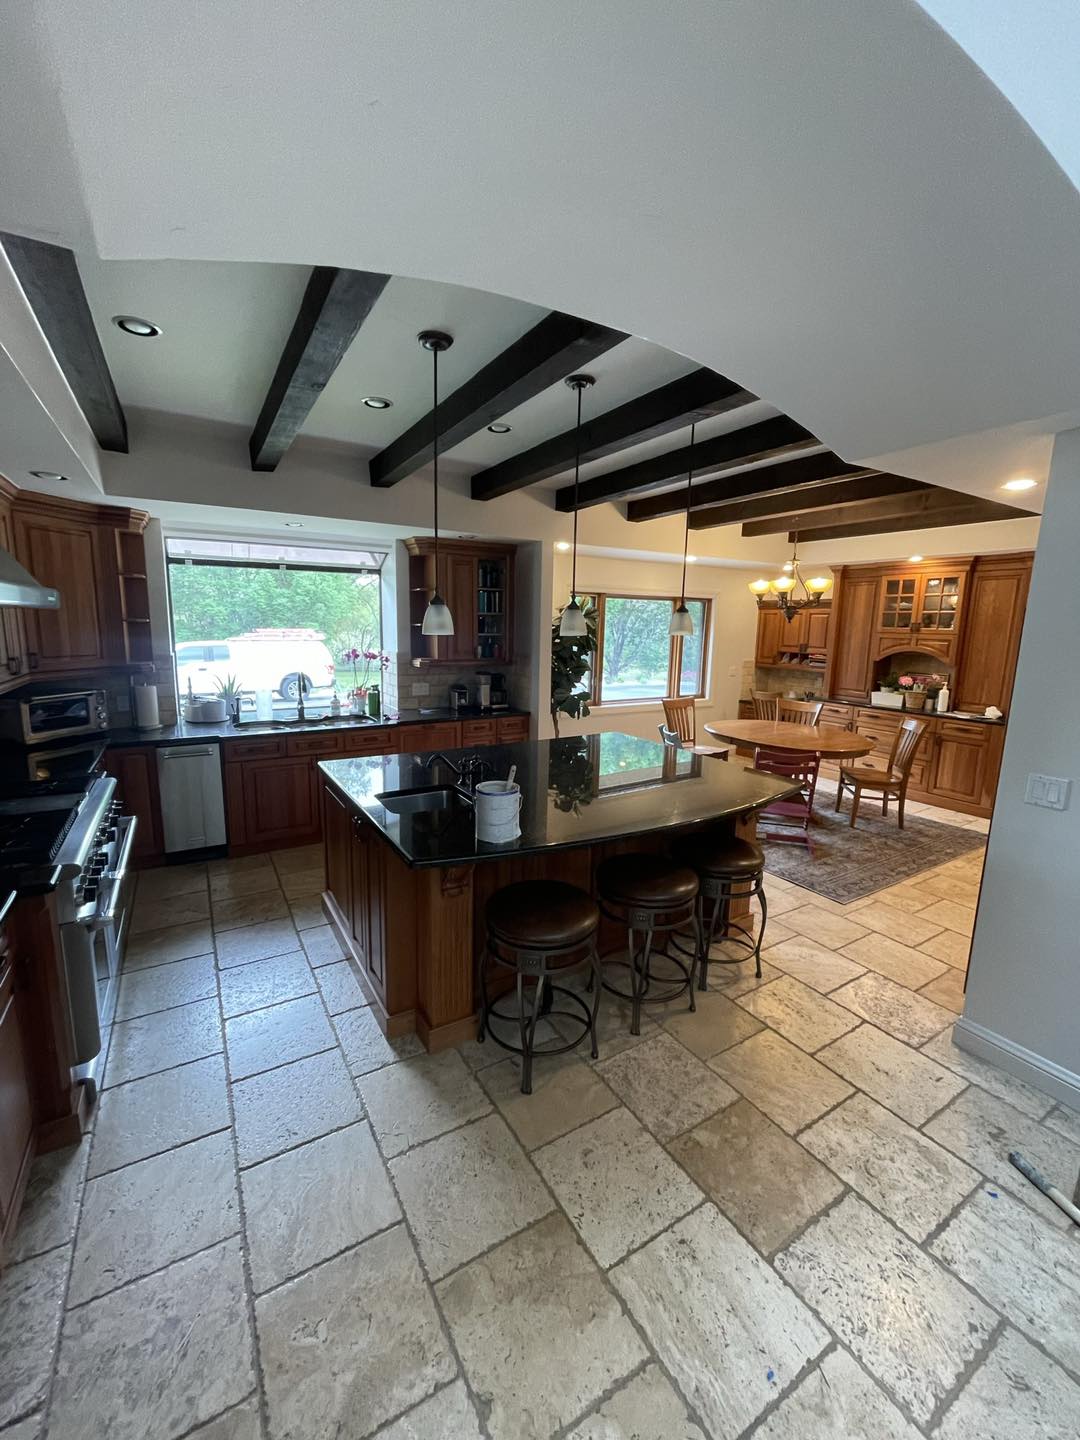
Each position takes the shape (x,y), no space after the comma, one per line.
(914,505)
(49,276)
(553,349)
(335,305)
(974,514)
(766,479)
(692,397)
(809,498)
(736,448)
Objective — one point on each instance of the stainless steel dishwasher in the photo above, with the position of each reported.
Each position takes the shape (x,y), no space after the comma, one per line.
(192,798)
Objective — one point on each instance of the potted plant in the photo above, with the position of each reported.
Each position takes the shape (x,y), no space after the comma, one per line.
(229,690)
(367,667)
(571,661)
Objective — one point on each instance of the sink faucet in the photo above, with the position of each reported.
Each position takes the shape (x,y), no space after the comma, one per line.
(300,703)
(469,773)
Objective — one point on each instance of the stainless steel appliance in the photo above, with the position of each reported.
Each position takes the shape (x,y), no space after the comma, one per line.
(499,700)
(459,697)
(483,689)
(36,718)
(192,797)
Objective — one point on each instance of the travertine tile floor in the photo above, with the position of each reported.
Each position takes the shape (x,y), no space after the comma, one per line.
(788,1215)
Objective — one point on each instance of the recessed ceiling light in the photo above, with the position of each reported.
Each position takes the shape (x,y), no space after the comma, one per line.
(562,544)
(500,429)
(914,559)
(377,402)
(1022,484)
(135,325)
(48,475)
(294,524)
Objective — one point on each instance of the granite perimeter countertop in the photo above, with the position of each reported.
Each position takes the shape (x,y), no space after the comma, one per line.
(187,733)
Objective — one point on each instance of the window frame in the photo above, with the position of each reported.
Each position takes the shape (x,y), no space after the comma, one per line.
(675,651)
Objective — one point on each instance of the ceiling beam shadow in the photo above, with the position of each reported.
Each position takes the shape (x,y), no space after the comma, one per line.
(914,507)
(51,282)
(335,305)
(553,349)
(694,397)
(827,494)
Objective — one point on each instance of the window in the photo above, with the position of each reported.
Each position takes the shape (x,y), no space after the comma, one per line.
(276,619)
(638,659)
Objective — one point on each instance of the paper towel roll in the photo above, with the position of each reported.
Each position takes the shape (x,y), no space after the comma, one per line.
(145,704)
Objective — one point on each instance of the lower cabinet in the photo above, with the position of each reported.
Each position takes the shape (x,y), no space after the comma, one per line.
(961,763)
(135,769)
(16,1109)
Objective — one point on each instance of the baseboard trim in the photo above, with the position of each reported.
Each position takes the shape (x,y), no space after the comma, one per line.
(1052,1079)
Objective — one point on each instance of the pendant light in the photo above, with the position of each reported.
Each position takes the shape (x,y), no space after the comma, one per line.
(681,622)
(572,624)
(437,617)
(780,593)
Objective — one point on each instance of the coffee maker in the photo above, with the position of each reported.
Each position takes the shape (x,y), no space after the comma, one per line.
(483,689)
(459,697)
(500,700)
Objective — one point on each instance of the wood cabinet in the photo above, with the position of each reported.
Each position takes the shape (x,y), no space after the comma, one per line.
(477,582)
(959,762)
(135,769)
(512,729)
(16,1107)
(12,634)
(271,801)
(921,608)
(770,628)
(850,662)
(993,624)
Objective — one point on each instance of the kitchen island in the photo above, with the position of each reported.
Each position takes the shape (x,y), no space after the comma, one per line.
(407,880)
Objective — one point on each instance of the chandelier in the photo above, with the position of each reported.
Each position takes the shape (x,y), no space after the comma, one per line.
(780,593)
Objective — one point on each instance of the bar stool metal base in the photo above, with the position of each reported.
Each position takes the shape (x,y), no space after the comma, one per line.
(717,893)
(645,923)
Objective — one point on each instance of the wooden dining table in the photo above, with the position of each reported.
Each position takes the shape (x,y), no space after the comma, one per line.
(828,741)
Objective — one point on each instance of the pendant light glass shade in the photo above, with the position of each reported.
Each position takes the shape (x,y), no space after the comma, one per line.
(572,622)
(437,618)
(681,622)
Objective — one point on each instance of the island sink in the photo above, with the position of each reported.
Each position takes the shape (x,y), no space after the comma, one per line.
(424,797)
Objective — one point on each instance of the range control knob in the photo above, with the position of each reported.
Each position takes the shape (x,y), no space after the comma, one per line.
(90,890)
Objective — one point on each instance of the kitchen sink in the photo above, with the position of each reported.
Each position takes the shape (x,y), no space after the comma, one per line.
(310,720)
(425,797)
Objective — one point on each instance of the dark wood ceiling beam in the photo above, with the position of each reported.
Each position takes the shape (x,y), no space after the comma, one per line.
(694,397)
(914,506)
(974,514)
(553,349)
(51,282)
(764,480)
(779,436)
(808,498)
(335,305)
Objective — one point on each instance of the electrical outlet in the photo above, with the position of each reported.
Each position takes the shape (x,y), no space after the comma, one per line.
(1049,791)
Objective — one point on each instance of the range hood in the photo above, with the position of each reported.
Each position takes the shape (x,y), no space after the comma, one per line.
(18,587)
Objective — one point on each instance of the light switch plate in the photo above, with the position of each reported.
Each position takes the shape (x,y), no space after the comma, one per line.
(1049,791)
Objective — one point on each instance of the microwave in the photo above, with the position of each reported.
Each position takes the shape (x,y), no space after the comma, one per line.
(53,717)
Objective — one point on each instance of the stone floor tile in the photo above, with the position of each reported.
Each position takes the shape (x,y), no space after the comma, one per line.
(647,1408)
(612,1022)
(904,1080)
(952,887)
(292,1104)
(235,864)
(366,1047)
(892,921)
(257,942)
(321,945)
(909,1321)
(240,1423)
(668,1089)
(950,947)
(1065,1121)
(817,923)
(302,884)
(467,1191)
(999,1082)
(478,1054)
(148,1116)
(32,1428)
(725,1326)
(947,990)
(812,964)
(265,1038)
(150,1360)
(448,1415)
(1016,1394)
(566,1092)
(737,1157)
(149,1214)
(161,987)
(420,1098)
(799,1013)
(781,901)
(351,1344)
(894,1008)
(982,1130)
(911,896)
(169,880)
(340,988)
(265,982)
(899,962)
(160,1041)
(616,1184)
(781,1080)
(951,916)
(538,1294)
(161,947)
(909,1178)
(238,884)
(249,910)
(151,914)
(1027,1269)
(735,980)
(313,1202)
(297,857)
(31,1299)
(308,912)
(716,1024)
(837,1401)
(51,1202)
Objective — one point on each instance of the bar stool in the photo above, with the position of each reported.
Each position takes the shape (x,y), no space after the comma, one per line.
(537,929)
(650,894)
(727,869)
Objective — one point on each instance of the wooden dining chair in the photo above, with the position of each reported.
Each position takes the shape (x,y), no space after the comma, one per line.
(672,739)
(679,717)
(765,703)
(891,780)
(798,712)
(794,816)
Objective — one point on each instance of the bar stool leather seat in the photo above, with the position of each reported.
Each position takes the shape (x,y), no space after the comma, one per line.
(728,869)
(648,880)
(718,856)
(547,913)
(650,895)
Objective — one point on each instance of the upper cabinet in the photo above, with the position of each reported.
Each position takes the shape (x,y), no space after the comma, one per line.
(856,615)
(476,581)
(997,599)
(921,609)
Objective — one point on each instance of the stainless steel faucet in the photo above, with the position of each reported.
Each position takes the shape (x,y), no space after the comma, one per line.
(300,703)
(469,773)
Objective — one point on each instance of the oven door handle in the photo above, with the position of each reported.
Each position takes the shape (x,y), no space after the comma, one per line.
(107,916)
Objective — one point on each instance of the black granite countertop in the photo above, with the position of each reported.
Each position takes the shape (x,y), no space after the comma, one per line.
(185,733)
(577,791)
(891,710)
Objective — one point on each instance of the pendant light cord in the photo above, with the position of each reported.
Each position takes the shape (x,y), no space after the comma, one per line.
(435,454)
(686,529)
(577,469)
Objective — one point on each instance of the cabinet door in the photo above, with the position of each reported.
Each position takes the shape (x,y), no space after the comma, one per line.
(898,604)
(369,905)
(280,801)
(69,556)
(135,770)
(817,629)
(771,632)
(337,839)
(940,598)
(850,651)
(12,637)
(457,578)
(958,762)
(16,1115)
(993,624)
(512,729)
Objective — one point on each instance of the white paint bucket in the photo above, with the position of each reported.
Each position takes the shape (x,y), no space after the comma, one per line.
(498,811)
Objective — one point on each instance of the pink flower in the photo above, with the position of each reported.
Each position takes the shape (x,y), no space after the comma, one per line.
(906,682)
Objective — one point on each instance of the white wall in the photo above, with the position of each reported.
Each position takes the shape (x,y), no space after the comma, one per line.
(1023,998)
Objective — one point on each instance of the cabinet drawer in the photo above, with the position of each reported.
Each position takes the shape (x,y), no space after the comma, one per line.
(313,744)
(371,742)
(254,749)
(478,732)
(840,715)
(512,729)
(444,736)
(971,733)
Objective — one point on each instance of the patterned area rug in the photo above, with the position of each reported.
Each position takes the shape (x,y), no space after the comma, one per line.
(848,864)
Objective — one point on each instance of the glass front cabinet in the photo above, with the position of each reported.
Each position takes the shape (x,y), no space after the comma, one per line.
(919,609)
